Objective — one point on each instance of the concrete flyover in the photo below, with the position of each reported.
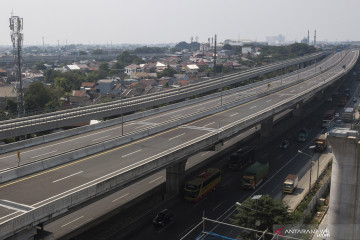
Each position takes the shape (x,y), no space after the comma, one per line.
(31,124)
(39,198)
(70,153)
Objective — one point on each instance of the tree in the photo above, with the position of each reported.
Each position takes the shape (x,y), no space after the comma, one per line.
(227,47)
(11,106)
(167,72)
(37,96)
(62,83)
(98,52)
(267,210)
(104,67)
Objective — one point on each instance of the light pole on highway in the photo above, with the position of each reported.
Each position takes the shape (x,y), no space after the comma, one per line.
(311,164)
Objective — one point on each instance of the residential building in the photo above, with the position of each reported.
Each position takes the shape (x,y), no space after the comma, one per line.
(133,68)
(104,86)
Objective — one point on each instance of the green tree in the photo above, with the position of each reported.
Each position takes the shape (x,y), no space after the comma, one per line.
(40,66)
(167,72)
(37,96)
(227,47)
(267,210)
(98,51)
(11,106)
(104,67)
(62,83)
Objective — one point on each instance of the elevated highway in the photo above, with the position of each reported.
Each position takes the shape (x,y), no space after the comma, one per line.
(40,197)
(37,123)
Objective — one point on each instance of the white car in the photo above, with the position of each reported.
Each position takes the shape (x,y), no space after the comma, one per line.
(284,144)
(337,114)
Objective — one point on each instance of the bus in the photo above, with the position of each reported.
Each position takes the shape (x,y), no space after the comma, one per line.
(202,185)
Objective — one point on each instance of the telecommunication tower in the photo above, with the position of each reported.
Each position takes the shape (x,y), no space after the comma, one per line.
(17,37)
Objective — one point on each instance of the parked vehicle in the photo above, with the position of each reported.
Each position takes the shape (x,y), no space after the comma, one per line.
(284,144)
(254,175)
(321,143)
(355,99)
(348,114)
(290,183)
(337,114)
(202,185)
(303,135)
(163,218)
(242,157)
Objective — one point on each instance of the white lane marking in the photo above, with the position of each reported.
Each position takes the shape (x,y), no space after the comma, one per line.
(100,138)
(131,153)
(67,177)
(120,197)
(292,91)
(208,124)
(226,183)
(205,153)
(72,221)
(155,179)
(253,107)
(186,231)
(77,226)
(177,136)
(234,114)
(217,206)
(269,100)
(179,115)
(280,156)
(10,215)
(44,154)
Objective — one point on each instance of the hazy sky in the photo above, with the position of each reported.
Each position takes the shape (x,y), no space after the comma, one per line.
(165,21)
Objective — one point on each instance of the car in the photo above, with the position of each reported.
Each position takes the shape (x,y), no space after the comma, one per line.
(163,218)
(355,99)
(284,144)
(337,115)
(339,121)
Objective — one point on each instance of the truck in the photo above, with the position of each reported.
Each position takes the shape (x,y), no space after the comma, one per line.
(254,175)
(340,99)
(329,114)
(321,143)
(348,114)
(242,157)
(302,135)
(290,183)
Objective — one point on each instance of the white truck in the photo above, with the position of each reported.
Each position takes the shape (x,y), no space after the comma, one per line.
(290,183)
(348,114)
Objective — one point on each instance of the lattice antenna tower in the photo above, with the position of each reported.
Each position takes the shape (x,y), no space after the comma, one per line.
(17,38)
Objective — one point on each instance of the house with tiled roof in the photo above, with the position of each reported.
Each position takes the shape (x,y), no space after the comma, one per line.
(132,68)
(87,86)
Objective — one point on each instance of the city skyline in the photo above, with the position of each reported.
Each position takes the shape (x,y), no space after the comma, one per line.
(155,22)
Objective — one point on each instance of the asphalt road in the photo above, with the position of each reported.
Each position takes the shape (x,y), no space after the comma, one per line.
(38,189)
(48,150)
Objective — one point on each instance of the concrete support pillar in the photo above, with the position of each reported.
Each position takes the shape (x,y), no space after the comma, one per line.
(298,109)
(266,128)
(175,175)
(344,208)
